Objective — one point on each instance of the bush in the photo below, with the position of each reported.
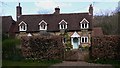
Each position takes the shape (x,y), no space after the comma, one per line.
(106,47)
(9,49)
(4,36)
(42,47)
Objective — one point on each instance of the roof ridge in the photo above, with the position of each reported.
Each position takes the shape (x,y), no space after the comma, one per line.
(54,14)
(5,16)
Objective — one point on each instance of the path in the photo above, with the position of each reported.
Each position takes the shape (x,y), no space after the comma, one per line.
(80,64)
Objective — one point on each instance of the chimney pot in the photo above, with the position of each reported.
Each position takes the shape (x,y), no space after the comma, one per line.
(57,10)
(91,9)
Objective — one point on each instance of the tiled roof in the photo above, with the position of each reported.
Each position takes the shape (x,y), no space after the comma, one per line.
(7,24)
(53,20)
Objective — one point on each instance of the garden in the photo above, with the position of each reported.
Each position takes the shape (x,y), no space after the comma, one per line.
(16,52)
(44,51)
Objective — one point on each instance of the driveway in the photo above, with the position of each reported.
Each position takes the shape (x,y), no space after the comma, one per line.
(80,64)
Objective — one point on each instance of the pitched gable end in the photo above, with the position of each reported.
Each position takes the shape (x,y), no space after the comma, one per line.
(22,23)
(63,21)
(84,24)
(22,26)
(42,25)
(63,24)
(84,20)
(42,22)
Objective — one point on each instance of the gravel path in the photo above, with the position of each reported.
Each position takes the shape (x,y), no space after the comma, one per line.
(80,64)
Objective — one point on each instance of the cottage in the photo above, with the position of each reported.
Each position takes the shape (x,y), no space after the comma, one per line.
(8,25)
(77,25)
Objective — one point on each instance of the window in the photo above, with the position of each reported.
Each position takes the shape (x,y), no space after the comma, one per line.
(22,26)
(64,40)
(84,24)
(84,39)
(63,24)
(42,25)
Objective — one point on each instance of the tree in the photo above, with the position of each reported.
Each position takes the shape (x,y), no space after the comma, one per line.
(108,22)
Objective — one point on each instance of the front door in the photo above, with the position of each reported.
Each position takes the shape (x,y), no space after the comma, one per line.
(75,43)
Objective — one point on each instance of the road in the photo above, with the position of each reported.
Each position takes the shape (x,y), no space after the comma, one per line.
(79,64)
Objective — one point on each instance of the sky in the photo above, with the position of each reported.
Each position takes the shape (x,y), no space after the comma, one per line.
(8,7)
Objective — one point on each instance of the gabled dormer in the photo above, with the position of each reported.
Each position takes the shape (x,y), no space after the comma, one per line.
(63,24)
(22,26)
(84,24)
(42,25)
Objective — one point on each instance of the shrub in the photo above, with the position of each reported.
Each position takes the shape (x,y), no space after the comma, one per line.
(106,47)
(42,47)
(9,49)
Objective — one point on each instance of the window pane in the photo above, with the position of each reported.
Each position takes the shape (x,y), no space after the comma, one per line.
(85,25)
(64,26)
(43,26)
(82,39)
(24,27)
(82,25)
(85,39)
(61,26)
(64,40)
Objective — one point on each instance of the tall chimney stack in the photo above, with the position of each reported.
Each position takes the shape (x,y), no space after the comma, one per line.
(19,11)
(57,10)
(91,9)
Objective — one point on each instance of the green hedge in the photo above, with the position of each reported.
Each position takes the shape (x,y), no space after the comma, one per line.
(9,50)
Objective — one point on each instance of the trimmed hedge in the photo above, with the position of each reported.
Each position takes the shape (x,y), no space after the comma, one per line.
(42,47)
(106,47)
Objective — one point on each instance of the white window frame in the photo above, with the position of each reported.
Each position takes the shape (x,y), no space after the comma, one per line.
(83,41)
(81,23)
(41,28)
(21,27)
(64,26)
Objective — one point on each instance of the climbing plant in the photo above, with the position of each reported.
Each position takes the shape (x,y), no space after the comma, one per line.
(67,40)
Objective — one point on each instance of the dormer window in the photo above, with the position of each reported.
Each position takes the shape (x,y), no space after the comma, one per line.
(42,25)
(22,26)
(84,24)
(63,24)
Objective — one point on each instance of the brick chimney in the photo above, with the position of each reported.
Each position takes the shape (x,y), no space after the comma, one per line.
(91,9)
(18,11)
(57,10)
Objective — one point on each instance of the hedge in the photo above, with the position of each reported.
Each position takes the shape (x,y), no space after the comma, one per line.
(106,47)
(42,47)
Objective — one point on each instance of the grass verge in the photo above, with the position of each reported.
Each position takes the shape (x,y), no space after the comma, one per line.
(28,63)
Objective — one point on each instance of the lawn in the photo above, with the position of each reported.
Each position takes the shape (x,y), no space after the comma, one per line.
(30,63)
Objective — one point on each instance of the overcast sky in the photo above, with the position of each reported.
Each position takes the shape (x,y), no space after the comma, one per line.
(47,6)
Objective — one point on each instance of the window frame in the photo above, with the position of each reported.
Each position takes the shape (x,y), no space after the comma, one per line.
(63,26)
(84,25)
(22,26)
(41,26)
(83,39)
